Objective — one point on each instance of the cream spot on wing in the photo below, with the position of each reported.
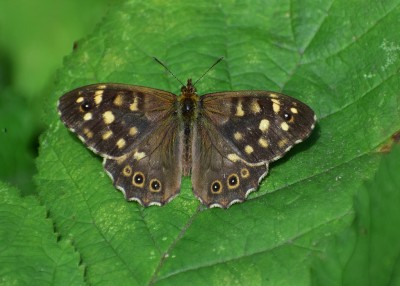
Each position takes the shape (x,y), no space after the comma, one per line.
(264,125)
(255,106)
(239,109)
(273,95)
(248,149)
(293,110)
(134,104)
(88,133)
(79,99)
(233,157)
(107,135)
(88,116)
(282,143)
(276,105)
(121,160)
(133,131)
(102,86)
(121,143)
(238,136)
(118,100)
(108,117)
(284,126)
(98,96)
(139,155)
(263,142)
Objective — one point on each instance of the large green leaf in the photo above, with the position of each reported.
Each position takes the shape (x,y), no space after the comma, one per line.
(343,64)
(367,253)
(29,251)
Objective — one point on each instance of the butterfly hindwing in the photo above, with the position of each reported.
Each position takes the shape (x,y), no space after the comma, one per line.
(216,180)
(113,119)
(151,173)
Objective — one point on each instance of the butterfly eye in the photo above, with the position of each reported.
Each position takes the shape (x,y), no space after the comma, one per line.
(233,181)
(216,187)
(155,185)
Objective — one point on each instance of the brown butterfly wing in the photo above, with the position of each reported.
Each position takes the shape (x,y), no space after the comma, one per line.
(236,135)
(151,173)
(259,126)
(113,119)
(136,131)
(216,180)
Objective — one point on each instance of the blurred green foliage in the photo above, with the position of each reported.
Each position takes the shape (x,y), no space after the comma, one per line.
(34,38)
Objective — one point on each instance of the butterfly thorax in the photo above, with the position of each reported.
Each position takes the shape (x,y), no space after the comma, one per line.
(188,106)
(188,103)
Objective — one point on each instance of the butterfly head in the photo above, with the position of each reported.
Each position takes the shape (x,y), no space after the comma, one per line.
(189,89)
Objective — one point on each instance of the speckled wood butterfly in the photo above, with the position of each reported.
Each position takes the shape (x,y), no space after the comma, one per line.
(149,138)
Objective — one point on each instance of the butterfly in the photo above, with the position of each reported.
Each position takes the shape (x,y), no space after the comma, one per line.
(150,138)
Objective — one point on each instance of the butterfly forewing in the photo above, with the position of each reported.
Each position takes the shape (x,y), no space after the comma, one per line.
(113,119)
(259,126)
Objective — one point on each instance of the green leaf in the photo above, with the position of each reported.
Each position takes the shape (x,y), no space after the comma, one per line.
(346,70)
(367,253)
(30,253)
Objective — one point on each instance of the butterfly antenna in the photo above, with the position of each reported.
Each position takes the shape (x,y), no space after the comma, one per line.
(220,59)
(161,63)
